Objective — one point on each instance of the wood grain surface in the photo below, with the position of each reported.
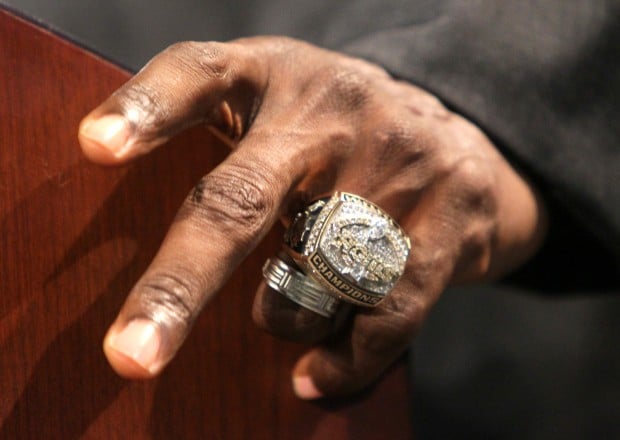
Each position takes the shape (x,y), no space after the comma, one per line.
(74,237)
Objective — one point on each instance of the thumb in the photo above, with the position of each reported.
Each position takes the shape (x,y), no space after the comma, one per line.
(356,359)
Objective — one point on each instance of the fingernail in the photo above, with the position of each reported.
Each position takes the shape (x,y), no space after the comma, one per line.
(305,389)
(139,341)
(110,131)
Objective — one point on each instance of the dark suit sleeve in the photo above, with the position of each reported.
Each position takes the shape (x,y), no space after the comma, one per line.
(542,79)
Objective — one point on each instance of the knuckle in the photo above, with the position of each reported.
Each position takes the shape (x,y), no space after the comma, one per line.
(469,177)
(346,88)
(475,184)
(213,60)
(238,197)
(442,160)
(209,59)
(471,171)
(142,105)
(170,296)
(393,136)
(397,140)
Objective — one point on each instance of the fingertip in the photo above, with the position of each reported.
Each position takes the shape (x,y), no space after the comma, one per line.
(133,350)
(304,385)
(305,388)
(105,139)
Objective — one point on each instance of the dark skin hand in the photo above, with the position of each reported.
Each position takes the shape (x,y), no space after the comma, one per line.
(303,122)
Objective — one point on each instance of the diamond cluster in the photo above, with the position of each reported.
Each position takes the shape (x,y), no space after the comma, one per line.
(361,242)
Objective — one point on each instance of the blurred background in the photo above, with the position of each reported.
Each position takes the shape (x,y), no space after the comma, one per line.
(491,362)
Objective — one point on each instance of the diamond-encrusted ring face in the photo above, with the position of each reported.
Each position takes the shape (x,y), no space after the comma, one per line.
(351,247)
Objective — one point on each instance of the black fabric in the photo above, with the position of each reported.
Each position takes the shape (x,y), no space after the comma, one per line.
(499,363)
(542,79)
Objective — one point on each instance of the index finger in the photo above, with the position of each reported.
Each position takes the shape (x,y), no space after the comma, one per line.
(188,83)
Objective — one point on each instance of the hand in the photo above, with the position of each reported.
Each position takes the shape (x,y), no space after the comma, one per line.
(303,122)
